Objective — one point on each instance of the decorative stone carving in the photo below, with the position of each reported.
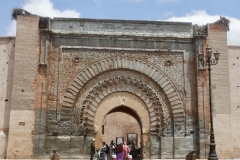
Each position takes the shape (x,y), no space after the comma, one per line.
(122,80)
(81,65)
(123,84)
(75,60)
(53,80)
(168,63)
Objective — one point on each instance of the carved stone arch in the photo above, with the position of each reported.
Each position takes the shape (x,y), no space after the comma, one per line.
(130,64)
(157,108)
(93,94)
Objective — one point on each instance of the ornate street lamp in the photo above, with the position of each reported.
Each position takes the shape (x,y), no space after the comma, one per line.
(212,153)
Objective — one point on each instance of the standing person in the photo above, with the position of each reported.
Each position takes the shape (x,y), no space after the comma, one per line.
(92,147)
(104,151)
(54,155)
(126,150)
(119,151)
(112,147)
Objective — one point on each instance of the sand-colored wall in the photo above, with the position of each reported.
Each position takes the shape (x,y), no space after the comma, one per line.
(120,124)
(7,48)
(234,75)
(23,95)
(217,40)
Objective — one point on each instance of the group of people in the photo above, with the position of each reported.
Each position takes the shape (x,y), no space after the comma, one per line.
(104,150)
(121,150)
(132,148)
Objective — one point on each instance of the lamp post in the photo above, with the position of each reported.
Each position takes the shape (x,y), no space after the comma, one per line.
(212,153)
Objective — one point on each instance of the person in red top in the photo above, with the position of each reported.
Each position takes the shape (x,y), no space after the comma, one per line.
(126,150)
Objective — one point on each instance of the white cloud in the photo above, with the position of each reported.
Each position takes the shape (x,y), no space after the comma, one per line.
(42,8)
(234,33)
(201,18)
(45,8)
(11,30)
(196,17)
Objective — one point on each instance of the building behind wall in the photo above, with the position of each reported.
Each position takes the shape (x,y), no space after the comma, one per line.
(73,76)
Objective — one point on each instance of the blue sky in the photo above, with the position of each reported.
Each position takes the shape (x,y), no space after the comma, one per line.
(195,11)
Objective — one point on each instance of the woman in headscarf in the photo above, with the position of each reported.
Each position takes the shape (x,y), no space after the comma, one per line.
(119,151)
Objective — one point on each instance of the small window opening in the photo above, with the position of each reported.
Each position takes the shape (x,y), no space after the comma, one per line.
(102,129)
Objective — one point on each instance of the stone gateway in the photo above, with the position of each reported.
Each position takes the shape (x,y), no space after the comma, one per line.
(75,80)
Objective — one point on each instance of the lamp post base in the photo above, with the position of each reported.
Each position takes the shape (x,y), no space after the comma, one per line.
(212,158)
(212,153)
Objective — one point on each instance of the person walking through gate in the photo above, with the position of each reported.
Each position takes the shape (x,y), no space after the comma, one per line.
(104,151)
(92,147)
(119,151)
(126,150)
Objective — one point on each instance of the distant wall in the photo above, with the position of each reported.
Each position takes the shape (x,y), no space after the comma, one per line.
(217,40)
(7,48)
(234,76)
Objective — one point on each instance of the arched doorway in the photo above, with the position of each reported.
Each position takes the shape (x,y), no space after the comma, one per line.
(122,123)
(119,114)
(119,122)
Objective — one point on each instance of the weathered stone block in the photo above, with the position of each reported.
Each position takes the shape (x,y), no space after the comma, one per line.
(76,141)
(51,143)
(167,147)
